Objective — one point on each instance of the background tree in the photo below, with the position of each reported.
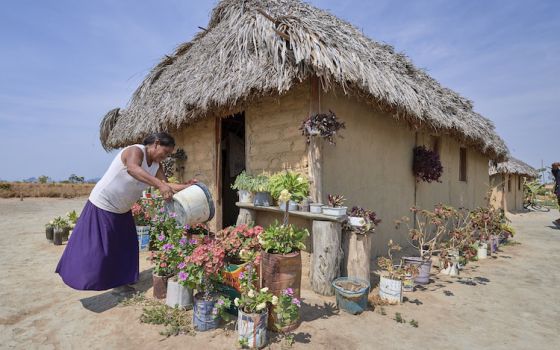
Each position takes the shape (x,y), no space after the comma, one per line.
(43,179)
(75,179)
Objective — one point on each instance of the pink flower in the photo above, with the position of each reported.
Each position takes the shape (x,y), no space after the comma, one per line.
(163,264)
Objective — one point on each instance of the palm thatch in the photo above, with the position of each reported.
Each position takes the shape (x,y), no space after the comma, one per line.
(107,124)
(514,166)
(255,48)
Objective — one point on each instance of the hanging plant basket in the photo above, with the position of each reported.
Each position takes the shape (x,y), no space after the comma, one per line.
(427,165)
(323,125)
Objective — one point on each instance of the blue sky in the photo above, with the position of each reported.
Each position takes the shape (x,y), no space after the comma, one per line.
(64,64)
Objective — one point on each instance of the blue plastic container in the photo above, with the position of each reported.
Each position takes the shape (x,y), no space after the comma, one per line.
(203,316)
(353,301)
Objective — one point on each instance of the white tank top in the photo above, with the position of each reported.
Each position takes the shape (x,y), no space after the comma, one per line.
(117,190)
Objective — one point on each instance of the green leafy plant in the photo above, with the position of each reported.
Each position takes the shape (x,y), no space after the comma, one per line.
(72,218)
(398,318)
(261,183)
(414,323)
(287,313)
(253,300)
(283,239)
(294,183)
(243,182)
(60,223)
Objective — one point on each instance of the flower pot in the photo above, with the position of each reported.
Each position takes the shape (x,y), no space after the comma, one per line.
(58,234)
(390,290)
(356,221)
(339,211)
(262,199)
(292,206)
(204,316)
(178,295)
(452,269)
(246,196)
(251,329)
(49,232)
(303,207)
(494,244)
(482,251)
(279,272)
(351,294)
(143,233)
(160,286)
(408,283)
(232,272)
(316,208)
(424,268)
(65,233)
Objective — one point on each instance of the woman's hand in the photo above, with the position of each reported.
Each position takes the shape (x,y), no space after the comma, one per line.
(166,191)
(191,182)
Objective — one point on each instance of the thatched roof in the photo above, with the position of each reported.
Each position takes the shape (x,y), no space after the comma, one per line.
(254,48)
(514,166)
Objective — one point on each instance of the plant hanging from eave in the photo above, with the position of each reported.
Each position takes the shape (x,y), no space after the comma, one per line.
(174,163)
(427,165)
(324,125)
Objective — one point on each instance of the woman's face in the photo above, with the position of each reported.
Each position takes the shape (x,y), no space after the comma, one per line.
(161,152)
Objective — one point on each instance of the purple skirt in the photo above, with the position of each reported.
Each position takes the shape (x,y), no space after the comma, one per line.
(102,252)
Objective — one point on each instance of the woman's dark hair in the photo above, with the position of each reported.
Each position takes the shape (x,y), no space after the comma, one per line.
(164,139)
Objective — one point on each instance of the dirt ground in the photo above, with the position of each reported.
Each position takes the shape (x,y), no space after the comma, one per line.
(508,302)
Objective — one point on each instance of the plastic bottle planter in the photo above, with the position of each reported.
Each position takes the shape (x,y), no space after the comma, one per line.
(246,196)
(424,267)
(178,295)
(160,286)
(452,269)
(262,199)
(339,211)
(251,329)
(408,283)
(316,208)
(203,316)
(390,290)
(49,232)
(482,251)
(351,294)
(58,233)
(494,243)
(143,233)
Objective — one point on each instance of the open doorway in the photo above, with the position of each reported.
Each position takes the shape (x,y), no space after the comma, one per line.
(233,163)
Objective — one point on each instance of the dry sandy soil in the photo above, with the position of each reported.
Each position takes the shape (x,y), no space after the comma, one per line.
(508,302)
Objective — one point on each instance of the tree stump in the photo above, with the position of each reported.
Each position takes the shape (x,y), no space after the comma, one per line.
(246,216)
(326,257)
(357,255)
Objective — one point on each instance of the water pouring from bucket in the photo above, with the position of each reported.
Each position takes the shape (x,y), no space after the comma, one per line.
(193,205)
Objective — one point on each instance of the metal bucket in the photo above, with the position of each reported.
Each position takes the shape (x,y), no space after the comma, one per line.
(193,205)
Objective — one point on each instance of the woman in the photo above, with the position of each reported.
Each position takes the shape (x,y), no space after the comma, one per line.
(102,252)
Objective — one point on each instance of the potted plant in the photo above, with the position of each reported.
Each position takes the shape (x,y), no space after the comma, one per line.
(142,220)
(453,245)
(244,184)
(253,311)
(426,236)
(262,194)
(241,246)
(335,206)
(72,221)
(288,182)
(166,256)
(286,314)
(49,230)
(180,287)
(427,165)
(204,268)
(486,223)
(391,276)
(59,226)
(363,220)
(323,125)
(281,259)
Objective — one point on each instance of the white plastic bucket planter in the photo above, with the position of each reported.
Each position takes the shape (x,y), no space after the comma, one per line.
(424,268)
(390,290)
(178,295)
(482,251)
(193,205)
(251,329)
(246,196)
(340,211)
(316,208)
(357,221)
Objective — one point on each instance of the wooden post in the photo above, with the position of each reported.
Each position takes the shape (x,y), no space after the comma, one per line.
(314,148)
(246,216)
(326,257)
(357,255)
